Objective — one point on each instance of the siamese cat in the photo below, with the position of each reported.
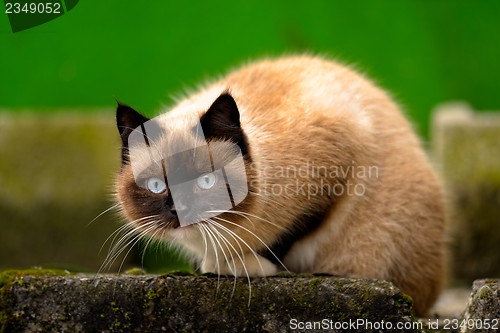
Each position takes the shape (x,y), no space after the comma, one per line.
(295,163)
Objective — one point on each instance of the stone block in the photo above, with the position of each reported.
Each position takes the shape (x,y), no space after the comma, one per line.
(467,151)
(56,173)
(483,310)
(39,302)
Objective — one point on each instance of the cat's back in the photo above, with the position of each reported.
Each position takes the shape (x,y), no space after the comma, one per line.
(276,93)
(313,90)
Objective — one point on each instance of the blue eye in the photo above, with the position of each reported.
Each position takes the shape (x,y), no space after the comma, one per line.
(156,185)
(206,181)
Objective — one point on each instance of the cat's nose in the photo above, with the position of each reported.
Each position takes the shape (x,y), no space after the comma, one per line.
(178,208)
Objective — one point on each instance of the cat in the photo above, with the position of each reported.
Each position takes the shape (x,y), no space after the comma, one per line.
(310,167)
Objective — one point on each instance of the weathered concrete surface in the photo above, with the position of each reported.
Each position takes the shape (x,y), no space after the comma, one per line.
(152,303)
(56,174)
(467,150)
(56,171)
(483,309)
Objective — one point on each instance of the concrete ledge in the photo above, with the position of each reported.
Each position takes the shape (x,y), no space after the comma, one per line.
(467,147)
(483,309)
(55,175)
(467,144)
(172,303)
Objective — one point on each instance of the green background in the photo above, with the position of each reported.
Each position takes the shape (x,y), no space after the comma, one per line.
(144,52)
(424,52)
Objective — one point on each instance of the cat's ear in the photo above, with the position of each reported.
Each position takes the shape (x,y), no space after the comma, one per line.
(127,119)
(223,112)
(222,121)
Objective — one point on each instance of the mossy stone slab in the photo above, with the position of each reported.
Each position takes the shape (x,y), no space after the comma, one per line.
(483,310)
(207,303)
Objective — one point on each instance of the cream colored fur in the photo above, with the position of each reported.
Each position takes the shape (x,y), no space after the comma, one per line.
(301,109)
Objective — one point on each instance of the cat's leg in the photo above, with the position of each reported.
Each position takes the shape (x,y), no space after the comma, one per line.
(345,247)
(384,252)
(361,250)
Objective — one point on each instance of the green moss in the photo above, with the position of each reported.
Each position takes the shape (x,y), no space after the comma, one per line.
(484,292)
(404,300)
(135,271)
(9,277)
(314,283)
(122,320)
(114,308)
(152,294)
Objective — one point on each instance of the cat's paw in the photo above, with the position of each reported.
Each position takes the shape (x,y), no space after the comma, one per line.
(253,266)
(248,265)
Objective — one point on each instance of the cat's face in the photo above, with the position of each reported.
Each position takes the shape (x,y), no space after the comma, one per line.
(184,171)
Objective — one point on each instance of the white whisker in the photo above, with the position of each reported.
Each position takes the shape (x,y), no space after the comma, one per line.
(151,239)
(137,239)
(233,270)
(246,216)
(129,237)
(234,235)
(204,237)
(213,226)
(104,212)
(123,227)
(257,237)
(216,256)
(124,237)
(217,240)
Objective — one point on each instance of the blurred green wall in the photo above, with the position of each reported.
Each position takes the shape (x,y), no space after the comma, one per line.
(424,52)
(143,52)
